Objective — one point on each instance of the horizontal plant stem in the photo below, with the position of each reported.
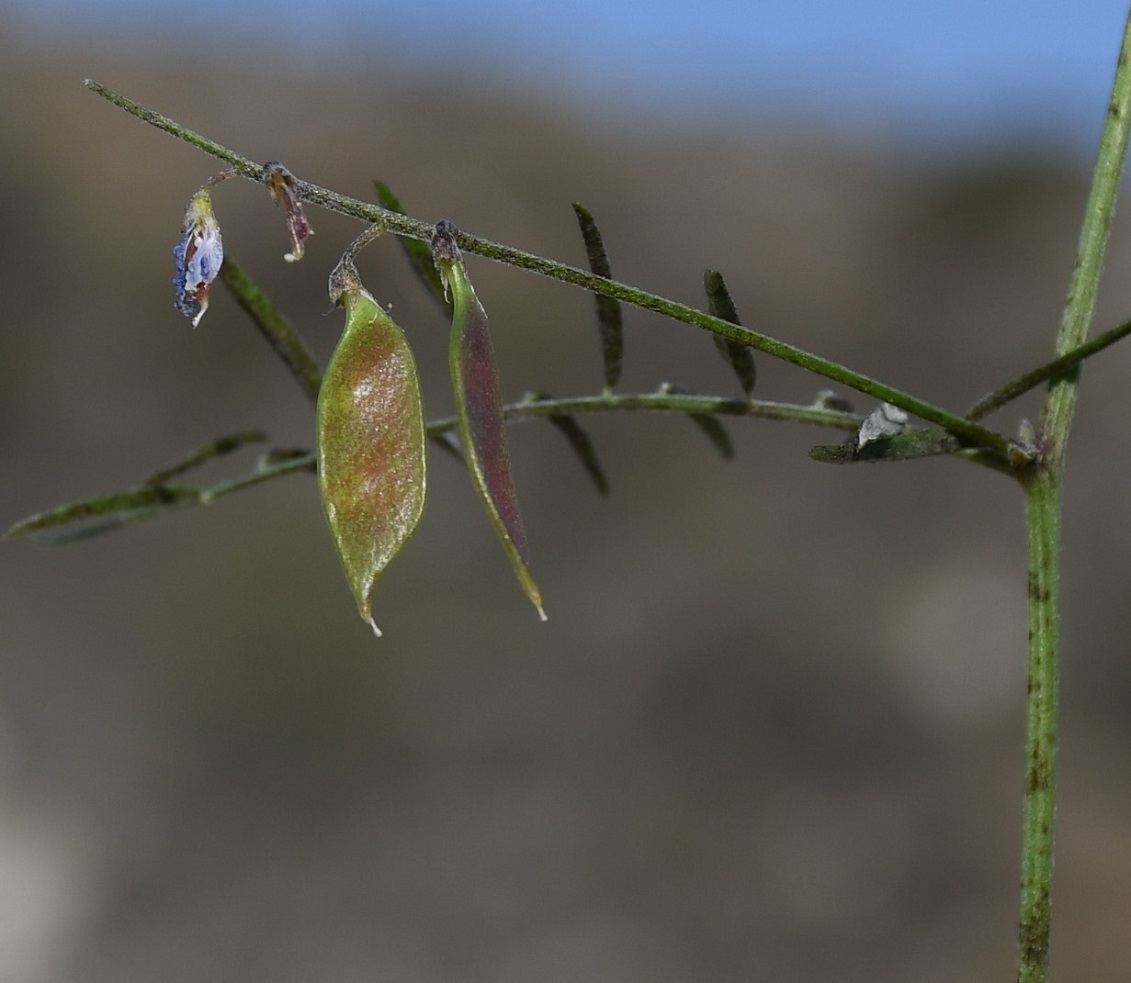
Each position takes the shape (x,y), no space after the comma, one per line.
(155,497)
(966,430)
(528,409)
(675,403)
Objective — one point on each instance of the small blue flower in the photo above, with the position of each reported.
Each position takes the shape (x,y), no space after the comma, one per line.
(198,257)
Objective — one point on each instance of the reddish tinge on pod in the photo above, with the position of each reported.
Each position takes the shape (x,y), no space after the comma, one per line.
(371,436)
(479,408)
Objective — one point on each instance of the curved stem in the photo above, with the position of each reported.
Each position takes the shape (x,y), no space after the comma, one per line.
(968,431)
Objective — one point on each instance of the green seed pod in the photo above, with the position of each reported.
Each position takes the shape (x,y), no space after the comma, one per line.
(371,436)
(480,410)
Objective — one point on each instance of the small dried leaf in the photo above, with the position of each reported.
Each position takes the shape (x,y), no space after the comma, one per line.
(609,319)
(479,407)
(371,435)
(738,356)
(281,183)
(885,420)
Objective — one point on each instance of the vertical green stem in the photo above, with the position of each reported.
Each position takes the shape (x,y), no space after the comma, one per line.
(1043,503)
(1098,214)
(1043,514)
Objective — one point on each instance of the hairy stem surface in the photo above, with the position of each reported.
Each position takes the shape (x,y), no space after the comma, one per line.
(967,431)
(1043,516)
(1043,512)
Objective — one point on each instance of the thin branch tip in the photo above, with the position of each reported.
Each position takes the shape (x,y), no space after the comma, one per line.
(968,431)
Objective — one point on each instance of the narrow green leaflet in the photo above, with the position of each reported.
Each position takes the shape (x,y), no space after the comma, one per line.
(711,426)
(609,318)
(371,436)
(897,447)
(220,447)
(155,496)
(716,433)
(479,407)
(273,326)
(581,443)
(94,516)
(419,253)
(738,356)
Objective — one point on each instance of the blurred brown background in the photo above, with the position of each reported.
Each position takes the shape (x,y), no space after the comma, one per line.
(773,727)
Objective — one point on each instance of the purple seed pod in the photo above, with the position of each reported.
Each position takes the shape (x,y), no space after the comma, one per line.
(475,380)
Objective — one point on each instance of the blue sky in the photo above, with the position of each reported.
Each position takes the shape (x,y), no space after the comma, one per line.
(960,70)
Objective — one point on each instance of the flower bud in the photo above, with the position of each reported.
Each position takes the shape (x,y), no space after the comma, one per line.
(198,257)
